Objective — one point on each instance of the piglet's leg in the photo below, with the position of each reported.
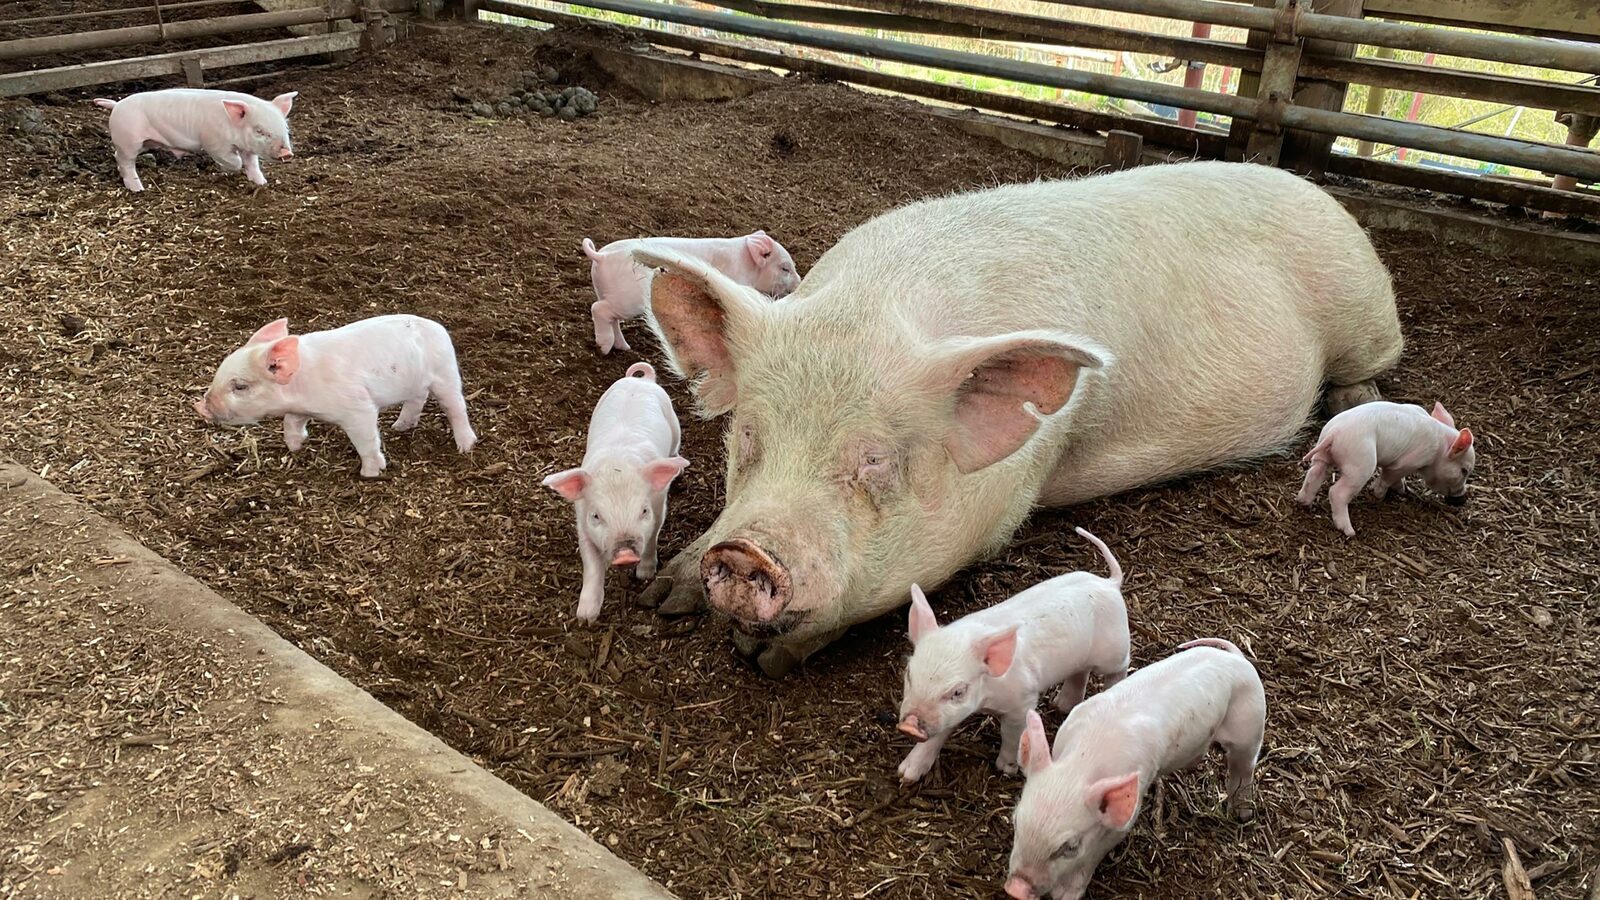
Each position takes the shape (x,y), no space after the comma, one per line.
(227,159)
(921,758)
(594,580)
(127,151)
(1240,736)
(617,335)
(363,431)
(1012,724)
(446,389)
(1354,473)
(252,170)
(294,431)
(605,326)
(646,569)
(1317,474)
(1385,483)
(410,414)
(1071,692)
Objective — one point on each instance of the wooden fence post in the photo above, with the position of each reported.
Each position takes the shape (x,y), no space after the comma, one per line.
(1308,153)
(1123,150)
(1275,90)
(1375,97)
(1262,141)
(193,73)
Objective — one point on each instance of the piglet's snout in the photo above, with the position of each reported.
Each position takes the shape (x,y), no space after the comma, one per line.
(746,582)
(1019,888)
(911,726)
(202,409)
(625,556)
(285,153)
(1456,500)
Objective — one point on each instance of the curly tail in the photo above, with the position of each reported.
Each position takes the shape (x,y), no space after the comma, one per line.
(642,370)
(591,252)
(1215,643)
(1322,444)
(103,103)
(1105,553)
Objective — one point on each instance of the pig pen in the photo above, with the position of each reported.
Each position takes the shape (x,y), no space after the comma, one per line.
(1430,682)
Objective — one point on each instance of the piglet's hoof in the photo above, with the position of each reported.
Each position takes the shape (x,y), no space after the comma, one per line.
(1243,804)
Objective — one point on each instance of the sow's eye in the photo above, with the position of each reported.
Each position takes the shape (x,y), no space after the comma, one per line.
(749,447)
(876,469)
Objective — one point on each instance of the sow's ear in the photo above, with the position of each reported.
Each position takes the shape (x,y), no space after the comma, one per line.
(1003,386)
(701,316)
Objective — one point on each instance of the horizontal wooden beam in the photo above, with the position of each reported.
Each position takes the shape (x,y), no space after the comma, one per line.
(118,12)
(1527,196)
(1528,51)
(1578,19)
(38,81)
(1446,82)
(50,44)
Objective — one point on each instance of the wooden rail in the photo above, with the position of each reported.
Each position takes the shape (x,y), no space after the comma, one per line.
(933,17)
(329,11)
(61,78)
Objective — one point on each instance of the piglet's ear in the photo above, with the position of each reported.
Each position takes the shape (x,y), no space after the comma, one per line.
(1115,800)
(1462,443)
(569,484)
(661,472)
(760,246)
(285,102)
(283,359)
(271,331)
(236,110)
(1442,414)
(1034,751)
(922,621)
(997,651)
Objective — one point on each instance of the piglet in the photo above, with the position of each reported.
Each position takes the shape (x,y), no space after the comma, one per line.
(998,660)
(623,286)
(235,130)
(1400,439)
(621,490)
(1081,798)
(344,377)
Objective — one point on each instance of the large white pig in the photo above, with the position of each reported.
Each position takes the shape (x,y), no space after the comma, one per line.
(955,363)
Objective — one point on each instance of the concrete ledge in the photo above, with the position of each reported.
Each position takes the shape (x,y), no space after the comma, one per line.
(331,739)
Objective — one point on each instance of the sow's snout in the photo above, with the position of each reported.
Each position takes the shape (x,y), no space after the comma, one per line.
(748,584)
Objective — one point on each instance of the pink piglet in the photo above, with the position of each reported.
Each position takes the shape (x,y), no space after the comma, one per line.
(1396,439)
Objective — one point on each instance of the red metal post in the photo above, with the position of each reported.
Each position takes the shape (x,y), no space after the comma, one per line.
(1194,77)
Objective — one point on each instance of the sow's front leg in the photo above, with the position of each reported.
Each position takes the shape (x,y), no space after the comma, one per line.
(677,589)
(777,658)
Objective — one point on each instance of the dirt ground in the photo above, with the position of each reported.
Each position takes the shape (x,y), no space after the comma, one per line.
(1430,682)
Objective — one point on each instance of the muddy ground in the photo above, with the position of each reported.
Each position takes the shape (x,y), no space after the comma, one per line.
(1431,682)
